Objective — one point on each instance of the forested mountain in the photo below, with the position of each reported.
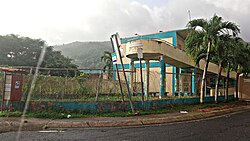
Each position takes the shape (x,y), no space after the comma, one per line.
(16,50)
(85,54)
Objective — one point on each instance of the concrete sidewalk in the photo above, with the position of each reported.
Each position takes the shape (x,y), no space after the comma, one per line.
(12,123)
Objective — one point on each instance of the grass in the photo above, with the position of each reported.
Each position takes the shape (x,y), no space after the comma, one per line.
(108,98)
(56,114)
(100,98)
(11,114)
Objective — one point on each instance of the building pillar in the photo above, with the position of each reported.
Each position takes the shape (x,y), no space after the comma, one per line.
(173,80)
(178,72)
(131,75)
(180,81)
(162,76)
(146,80)
(194,82)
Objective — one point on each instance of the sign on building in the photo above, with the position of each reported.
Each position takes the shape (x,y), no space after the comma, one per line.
(114,59)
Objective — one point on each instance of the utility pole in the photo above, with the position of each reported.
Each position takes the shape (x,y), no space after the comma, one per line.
(118,75)
(117,43)
(140,56)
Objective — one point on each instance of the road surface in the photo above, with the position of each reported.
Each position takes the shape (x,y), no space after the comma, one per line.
(231,127)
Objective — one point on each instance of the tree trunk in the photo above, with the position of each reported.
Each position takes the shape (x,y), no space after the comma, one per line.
(237,87)
(237,82)
(204,74)
(227,82)
(217,84)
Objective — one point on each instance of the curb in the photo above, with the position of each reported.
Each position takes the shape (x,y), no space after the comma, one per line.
(146,121)
(37,124)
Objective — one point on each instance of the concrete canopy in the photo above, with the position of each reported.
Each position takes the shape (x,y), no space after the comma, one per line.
(153,49)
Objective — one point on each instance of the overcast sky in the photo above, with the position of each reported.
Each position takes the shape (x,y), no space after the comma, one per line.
(65,21)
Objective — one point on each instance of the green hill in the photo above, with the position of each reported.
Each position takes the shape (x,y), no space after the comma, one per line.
(85,54)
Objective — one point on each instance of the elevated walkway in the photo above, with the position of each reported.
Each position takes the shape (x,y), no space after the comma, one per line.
(153,49)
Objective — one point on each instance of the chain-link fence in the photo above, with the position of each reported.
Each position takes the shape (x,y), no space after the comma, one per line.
(189,84)
(95,85)
(71,85)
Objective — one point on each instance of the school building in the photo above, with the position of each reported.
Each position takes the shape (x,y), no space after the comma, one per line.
(167,69)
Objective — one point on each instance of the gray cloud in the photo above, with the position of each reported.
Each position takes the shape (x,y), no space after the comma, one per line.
(64,21)
(137,17)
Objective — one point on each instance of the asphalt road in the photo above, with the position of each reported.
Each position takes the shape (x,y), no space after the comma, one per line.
(225,128)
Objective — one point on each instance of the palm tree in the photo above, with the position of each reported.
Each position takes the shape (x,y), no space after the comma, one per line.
(204,35)
(233,54)
(107,59)
(239,59)
(224,44)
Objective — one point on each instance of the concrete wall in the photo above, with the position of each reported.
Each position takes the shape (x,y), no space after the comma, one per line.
(169,79)
(180,43)
(106,107)
(221,91)
(244,88)
(154,78)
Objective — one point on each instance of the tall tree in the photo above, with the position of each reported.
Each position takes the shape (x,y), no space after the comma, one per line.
(20,51)
(208,32)
(54,59)
(23,51)
(238,60)
(224,45)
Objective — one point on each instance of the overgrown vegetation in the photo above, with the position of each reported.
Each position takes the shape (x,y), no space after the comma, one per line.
(59,114)
(70,88)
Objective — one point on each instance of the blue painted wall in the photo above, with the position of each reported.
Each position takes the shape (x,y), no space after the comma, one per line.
(153,36)
(112,106)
